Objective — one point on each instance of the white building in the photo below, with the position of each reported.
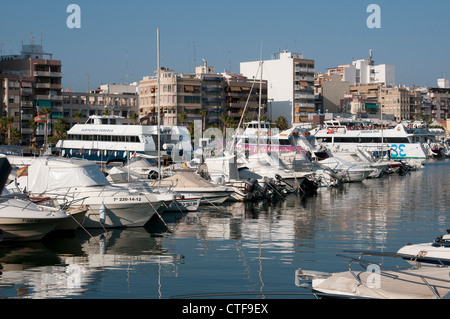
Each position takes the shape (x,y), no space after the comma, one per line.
(442,83)
(290,85)
(364,71)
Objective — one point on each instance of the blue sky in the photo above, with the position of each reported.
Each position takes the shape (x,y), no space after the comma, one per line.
(414,35)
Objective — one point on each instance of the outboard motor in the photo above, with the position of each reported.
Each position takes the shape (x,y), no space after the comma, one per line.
(250,185)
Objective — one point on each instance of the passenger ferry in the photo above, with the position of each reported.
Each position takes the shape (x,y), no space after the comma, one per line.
(403,143)
(105,139)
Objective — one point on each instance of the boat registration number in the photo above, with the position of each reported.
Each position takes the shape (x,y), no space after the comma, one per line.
(127,199)
(30,220)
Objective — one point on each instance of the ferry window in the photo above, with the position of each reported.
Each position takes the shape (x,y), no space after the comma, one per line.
(114,138)
(112,121)
(324,139)
(104,121)
(397,140)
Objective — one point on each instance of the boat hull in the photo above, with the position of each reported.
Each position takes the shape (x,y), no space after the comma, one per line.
(426,253)
(21,220)
(18,229)
(123,211)
(116,209)
(206,197)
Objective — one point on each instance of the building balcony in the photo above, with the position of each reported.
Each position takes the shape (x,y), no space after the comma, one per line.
(48,74)
(26,103)
(306,70)
(27,117)
(27,131)
(212,88)
(304,78)
(304,96)
(304,105)
(49,97)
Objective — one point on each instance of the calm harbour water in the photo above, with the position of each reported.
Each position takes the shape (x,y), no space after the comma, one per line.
(234,247)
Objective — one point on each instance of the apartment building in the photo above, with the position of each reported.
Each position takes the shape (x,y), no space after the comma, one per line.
(402,102)
(329,90)
(205,96)
(243,93)
(36,79)
(120,100)
(365,72)
(180,99)
(440,103)
(290,89)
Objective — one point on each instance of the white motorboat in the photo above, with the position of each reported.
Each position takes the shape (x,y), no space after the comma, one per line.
(271,166)
(378,167)
(192,185)
(347,172)
(183,205)
(22,220)
(83,184)
(436,252)
(373,281)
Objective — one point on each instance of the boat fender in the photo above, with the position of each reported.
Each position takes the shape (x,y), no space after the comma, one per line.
(102,213)
(152,175)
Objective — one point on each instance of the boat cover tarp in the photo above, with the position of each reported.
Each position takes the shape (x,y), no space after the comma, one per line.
(51,173)
(404,286)
(187,180)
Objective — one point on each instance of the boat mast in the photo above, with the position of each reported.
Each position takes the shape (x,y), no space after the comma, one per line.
(159,105)
(259,106)
(381,113)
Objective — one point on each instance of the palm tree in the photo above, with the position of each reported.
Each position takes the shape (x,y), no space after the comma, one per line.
(228,121)
(134,117)
(60,129)
(78,116)
(16,136)
(47,111)
(182,117)
(33,125)
(204,113)
(6,126)
(282,123)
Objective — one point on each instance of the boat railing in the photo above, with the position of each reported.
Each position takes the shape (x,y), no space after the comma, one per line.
(392,273)
(64,201)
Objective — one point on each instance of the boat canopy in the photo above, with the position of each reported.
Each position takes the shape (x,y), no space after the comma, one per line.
(47,173)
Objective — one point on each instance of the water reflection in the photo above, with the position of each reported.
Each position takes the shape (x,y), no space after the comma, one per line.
(65,266)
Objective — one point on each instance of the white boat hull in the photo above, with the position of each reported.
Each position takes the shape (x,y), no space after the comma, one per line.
(21,220)
(183,205)
(426,252)
(122,210)
(213,196)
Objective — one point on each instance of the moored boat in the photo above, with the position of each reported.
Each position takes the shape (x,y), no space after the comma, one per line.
(104,139)
(22,220)
(436,252)
(83,184)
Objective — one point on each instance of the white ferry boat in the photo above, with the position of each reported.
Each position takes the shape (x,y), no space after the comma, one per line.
(105,139)
(403,143)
